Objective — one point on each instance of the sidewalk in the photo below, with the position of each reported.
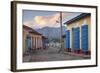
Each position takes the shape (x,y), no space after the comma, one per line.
(78,55)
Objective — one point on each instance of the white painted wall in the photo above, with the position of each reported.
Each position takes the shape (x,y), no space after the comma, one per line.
(5,37)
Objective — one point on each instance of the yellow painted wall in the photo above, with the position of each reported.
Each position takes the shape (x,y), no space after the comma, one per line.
(79,23)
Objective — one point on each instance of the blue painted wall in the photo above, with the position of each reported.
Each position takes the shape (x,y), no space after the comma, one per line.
(84,37)
(67,39)
(28,42)
(76,38)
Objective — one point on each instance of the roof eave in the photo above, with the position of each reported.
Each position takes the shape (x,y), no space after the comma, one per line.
(77,18)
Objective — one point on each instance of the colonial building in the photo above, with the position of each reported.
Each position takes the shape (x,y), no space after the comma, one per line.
(32,39)
(78,34)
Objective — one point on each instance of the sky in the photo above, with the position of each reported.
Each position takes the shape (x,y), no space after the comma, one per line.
(40,19)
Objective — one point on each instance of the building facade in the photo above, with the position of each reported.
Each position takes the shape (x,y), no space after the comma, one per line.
(32,40)
(78,34)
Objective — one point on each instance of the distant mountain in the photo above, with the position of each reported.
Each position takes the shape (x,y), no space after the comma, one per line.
(51,32)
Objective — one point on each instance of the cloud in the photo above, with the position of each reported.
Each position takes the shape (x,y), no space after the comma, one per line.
(49,21)
(45,21)
(40,20)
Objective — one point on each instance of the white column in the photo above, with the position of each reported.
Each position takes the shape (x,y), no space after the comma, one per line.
(41,42)
(36,41)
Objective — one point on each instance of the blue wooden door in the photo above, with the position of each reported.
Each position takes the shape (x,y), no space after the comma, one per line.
(84,37)
(67,39)
(28,42)
(76,38)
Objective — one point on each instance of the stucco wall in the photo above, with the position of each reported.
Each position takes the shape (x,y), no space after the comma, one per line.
(79,23)
(36,40)
(24,38)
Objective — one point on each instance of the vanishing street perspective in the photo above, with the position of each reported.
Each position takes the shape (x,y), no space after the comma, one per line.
(56,36)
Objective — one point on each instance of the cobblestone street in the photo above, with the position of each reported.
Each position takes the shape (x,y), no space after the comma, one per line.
(50,54)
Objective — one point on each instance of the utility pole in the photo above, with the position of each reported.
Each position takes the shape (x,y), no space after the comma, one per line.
(61,32)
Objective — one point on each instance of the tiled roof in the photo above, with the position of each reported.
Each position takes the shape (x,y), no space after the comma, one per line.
(31,30)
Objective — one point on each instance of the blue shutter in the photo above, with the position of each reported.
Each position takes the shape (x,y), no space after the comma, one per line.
(85,37)
(28,42)
(76,38)
(67,39)
(65,42)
